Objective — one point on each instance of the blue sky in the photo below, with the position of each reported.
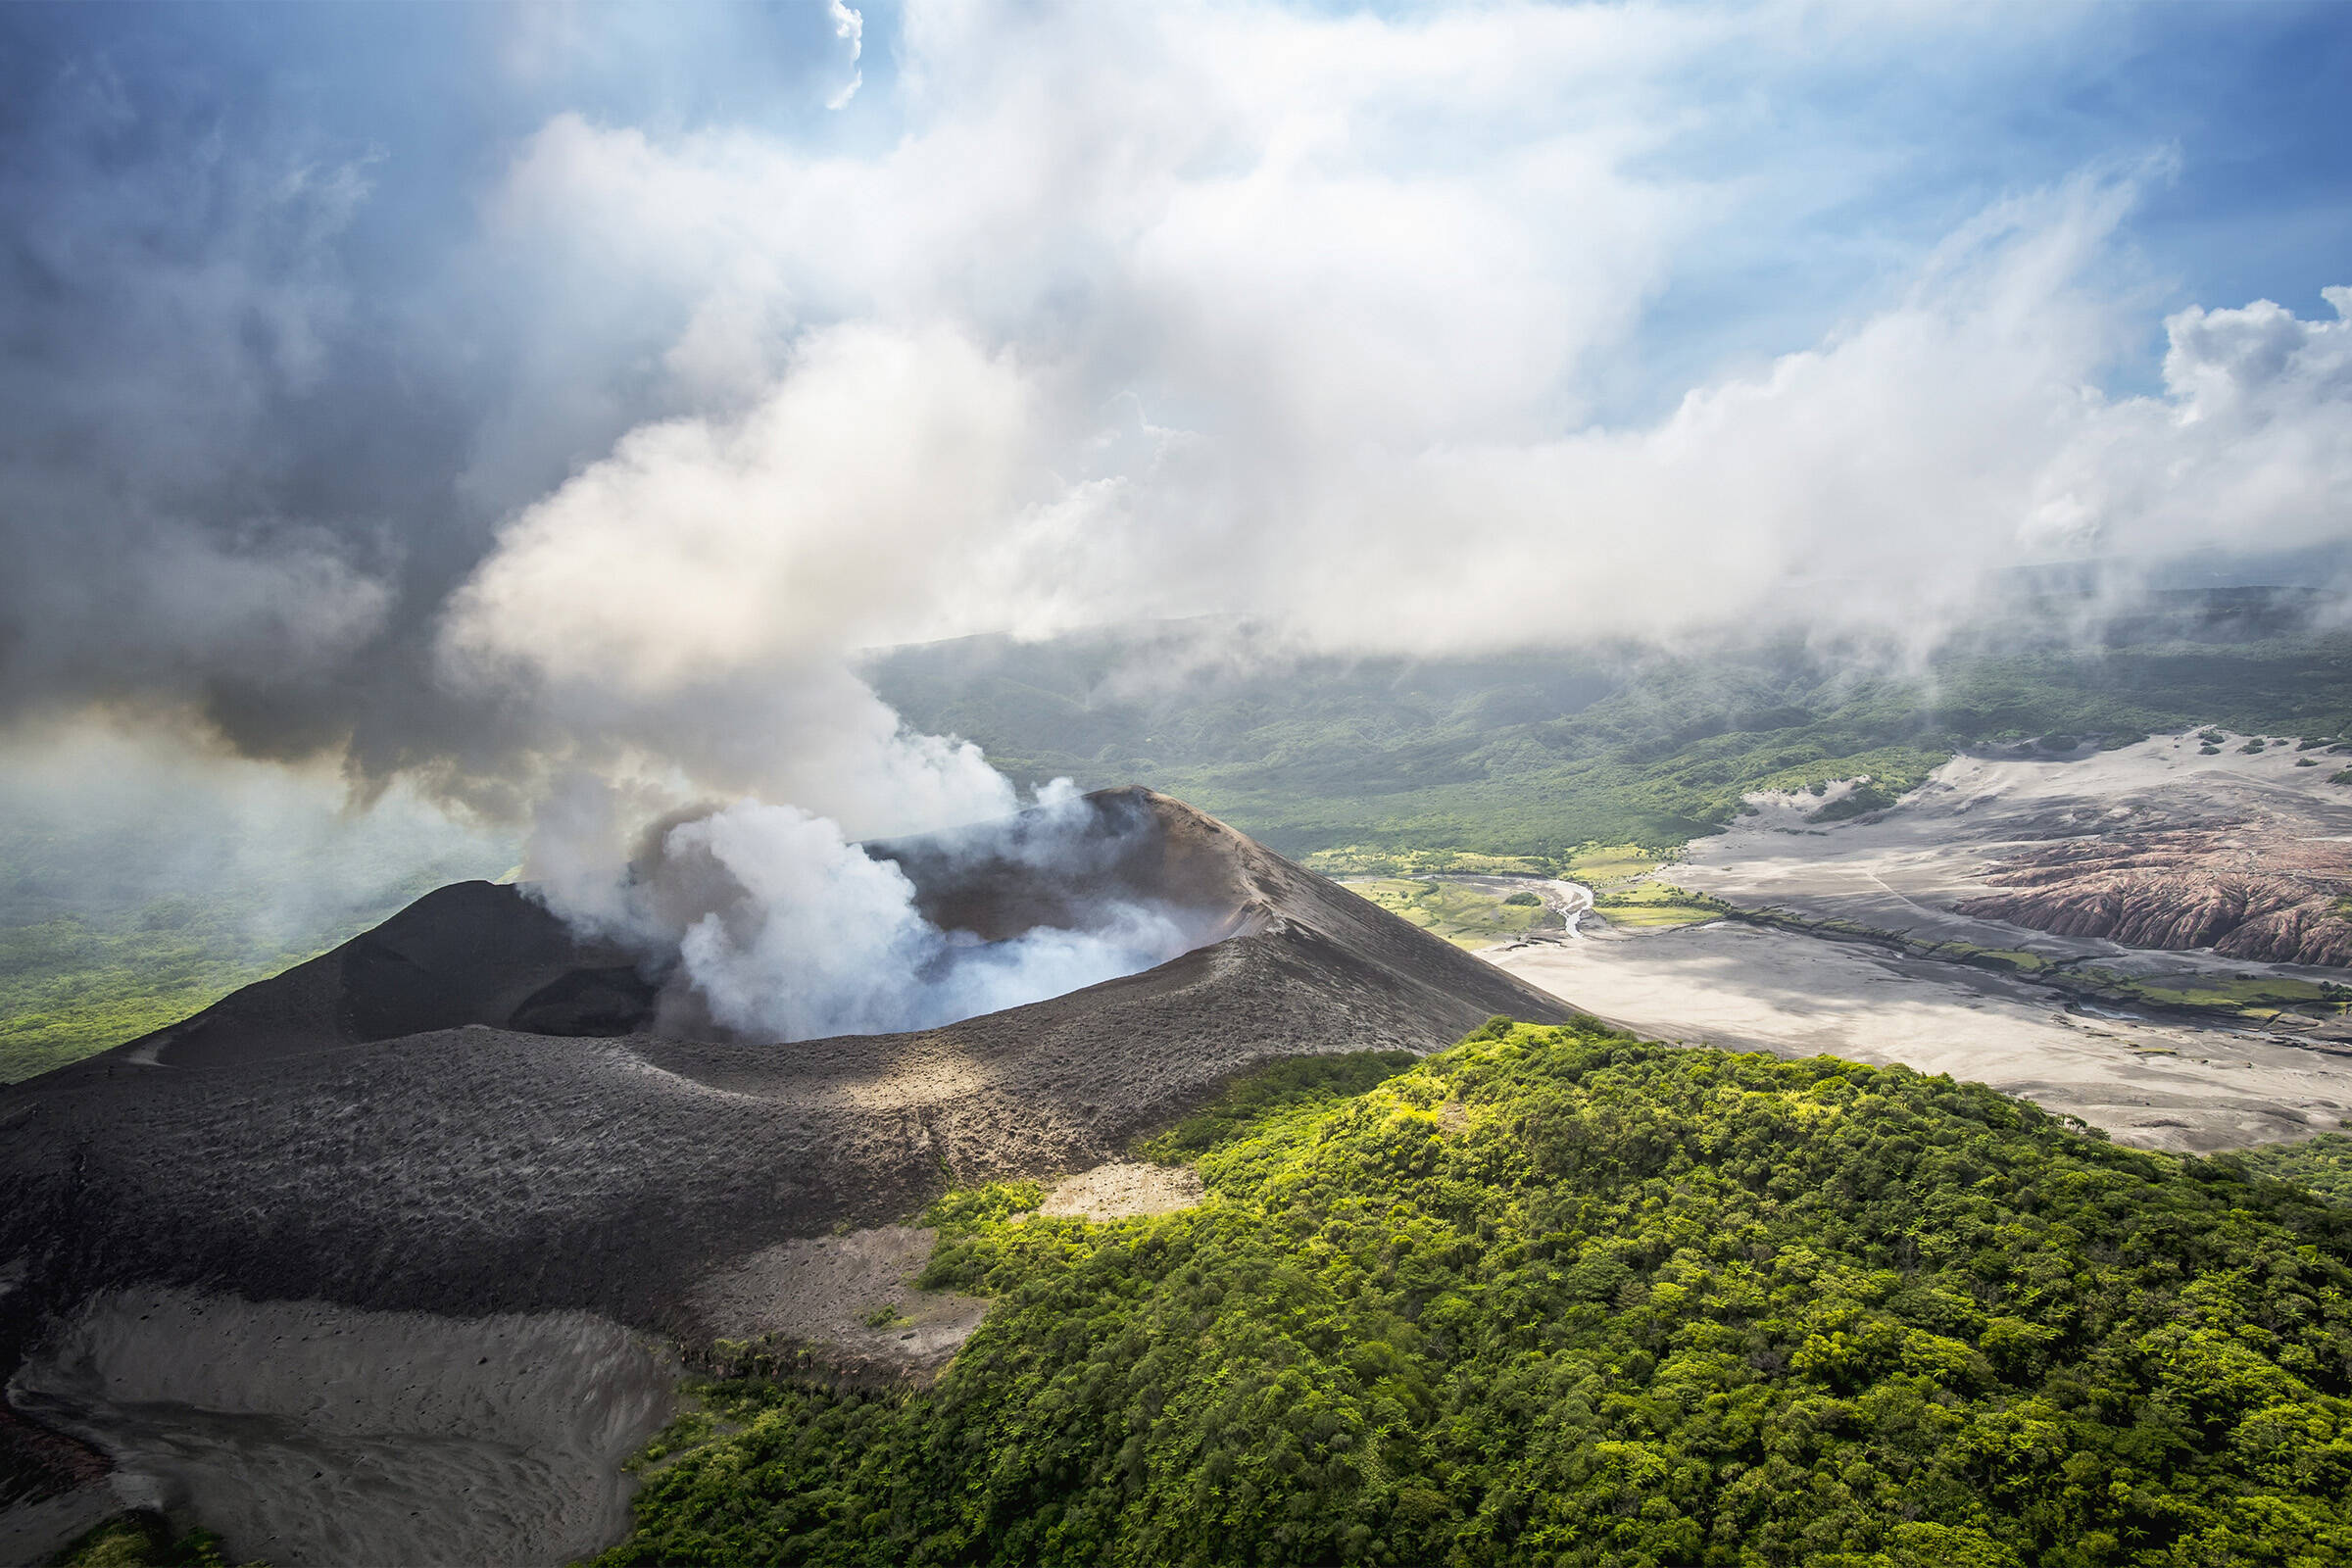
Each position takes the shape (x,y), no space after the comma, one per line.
(451,388)
(2240,106)
(2246,100)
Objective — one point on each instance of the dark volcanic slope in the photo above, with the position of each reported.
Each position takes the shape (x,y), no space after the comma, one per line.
(373,1129)
(470,953)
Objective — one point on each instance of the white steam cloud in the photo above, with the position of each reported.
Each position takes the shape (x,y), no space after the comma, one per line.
(783,929)
(1104,313)
(1167,310)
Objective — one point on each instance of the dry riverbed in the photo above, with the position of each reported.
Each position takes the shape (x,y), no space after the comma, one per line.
(2158,1076)
(2161,1083)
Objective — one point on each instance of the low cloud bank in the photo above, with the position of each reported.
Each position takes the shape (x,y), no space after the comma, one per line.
(120,824)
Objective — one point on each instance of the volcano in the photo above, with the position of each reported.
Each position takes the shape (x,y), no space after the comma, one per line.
(465,1116)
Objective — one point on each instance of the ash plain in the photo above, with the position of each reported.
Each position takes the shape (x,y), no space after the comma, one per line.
(1867,964)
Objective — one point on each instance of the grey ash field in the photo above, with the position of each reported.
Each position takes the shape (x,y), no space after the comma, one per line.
(450,1128)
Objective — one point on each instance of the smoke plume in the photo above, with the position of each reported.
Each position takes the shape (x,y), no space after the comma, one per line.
(770,924)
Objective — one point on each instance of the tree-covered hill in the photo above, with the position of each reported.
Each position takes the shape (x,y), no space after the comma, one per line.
(1536,754)
(1558,1296)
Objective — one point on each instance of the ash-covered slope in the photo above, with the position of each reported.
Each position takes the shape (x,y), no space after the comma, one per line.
(473,953)
(379,1128)
(2246,893)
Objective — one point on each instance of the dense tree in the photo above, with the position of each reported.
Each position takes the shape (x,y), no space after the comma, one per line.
(1557,1296)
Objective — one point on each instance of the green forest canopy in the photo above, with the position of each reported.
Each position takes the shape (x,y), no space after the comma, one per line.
(1559,1296)
(1536,754)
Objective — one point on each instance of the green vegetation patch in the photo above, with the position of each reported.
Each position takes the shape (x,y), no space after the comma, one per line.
(1559,1296)
(2011,961)
(1601,867)
(1465,915)
(144,1538)
(2263,997)
(974,1209)
(1360,861)
(1281,1088)
(2322,1164)
(1657,903)
(1867,796)
(70,987)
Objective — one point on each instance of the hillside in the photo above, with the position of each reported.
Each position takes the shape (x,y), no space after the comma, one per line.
(442,1169)
(1371,764)
(1533,755)
(1560,1295)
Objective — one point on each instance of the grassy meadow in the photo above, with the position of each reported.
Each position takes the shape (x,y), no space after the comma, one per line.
(1465,915)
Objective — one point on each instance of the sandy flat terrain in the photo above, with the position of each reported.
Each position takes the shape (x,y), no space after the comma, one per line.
(2164,1081)
(38,1532)
(2160,1084)
(1906,869)
(1122,1190)
(852,1296)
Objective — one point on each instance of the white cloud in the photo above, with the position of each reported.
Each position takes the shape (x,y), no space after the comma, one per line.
(109,811)
(850,27)
(1191,307)
(703,547)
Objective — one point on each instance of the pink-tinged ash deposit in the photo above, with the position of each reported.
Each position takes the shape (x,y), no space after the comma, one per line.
(2265,898)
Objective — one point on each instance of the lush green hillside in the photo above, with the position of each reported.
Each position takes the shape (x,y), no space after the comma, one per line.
(1537,754)
(2324,1164)
(77,984)
(74,985)
(1565,1296)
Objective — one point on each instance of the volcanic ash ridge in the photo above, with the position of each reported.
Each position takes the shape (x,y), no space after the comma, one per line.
(463,1112)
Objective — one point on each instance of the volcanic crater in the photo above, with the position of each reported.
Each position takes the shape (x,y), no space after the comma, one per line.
(463,1117)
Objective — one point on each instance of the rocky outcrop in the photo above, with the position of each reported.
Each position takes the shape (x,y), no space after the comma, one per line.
(2265,899)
